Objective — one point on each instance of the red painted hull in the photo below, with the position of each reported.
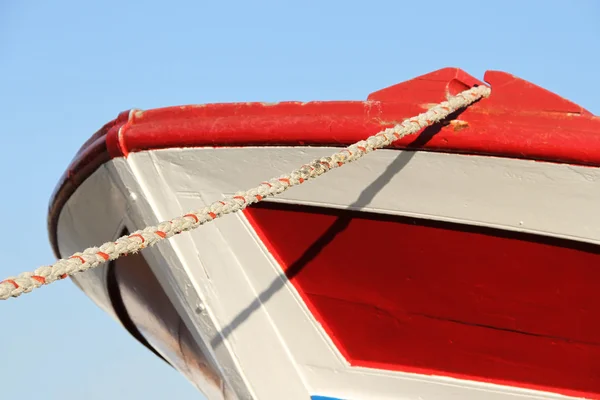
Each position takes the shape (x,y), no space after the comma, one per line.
(444,299)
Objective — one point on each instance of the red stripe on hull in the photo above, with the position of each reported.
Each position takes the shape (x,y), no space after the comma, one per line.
(444,299)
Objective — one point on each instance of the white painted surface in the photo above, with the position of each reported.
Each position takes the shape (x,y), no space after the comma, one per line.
(92,215)
(274,348)
(537,197)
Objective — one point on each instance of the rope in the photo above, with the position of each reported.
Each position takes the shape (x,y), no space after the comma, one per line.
(95,256)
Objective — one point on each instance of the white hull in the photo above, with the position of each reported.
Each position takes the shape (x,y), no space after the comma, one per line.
(232,294)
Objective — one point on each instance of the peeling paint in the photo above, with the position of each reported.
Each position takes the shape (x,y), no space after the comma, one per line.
(459,125)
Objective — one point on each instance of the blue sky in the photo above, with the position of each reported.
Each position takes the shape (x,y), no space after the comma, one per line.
(67,67)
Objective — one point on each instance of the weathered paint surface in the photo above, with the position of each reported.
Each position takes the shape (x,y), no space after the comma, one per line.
(518,120)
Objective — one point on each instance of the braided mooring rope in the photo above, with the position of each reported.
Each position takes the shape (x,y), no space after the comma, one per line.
(95,256)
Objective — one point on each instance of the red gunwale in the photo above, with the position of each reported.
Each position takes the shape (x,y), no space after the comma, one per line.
(519,120)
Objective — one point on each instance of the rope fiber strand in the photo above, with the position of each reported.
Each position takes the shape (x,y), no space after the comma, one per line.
(95,256)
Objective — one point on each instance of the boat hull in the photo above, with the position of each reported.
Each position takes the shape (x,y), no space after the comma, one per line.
(457,264)
(434,276)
